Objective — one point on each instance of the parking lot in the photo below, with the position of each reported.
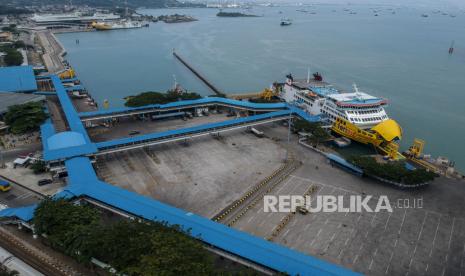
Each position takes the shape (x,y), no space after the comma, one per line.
(203,176)
(208,174)
(409,241)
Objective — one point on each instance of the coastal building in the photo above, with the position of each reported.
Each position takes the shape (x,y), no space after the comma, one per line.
(17,79)
(6,37)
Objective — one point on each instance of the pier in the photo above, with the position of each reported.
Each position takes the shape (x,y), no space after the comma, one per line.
(202,78)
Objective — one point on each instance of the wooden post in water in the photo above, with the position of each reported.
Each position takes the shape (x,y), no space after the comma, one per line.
(451,49)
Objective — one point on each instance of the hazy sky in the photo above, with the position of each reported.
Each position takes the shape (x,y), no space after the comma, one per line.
(422,3)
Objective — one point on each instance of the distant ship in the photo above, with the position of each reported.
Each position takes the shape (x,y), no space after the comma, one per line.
(286,22)
(106,26)
(424,15)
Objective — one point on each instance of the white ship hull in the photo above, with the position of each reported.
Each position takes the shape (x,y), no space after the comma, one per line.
(320,98)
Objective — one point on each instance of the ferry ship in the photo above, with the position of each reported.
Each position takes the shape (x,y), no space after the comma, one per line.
(106,26)
(355,115)
(317,97)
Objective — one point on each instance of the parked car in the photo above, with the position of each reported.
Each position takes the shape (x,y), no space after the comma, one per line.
(4,186)
(43,182)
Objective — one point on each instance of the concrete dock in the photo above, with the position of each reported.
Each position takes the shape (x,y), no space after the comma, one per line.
(53,51)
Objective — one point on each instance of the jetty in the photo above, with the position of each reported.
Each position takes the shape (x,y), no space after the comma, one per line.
(202,78)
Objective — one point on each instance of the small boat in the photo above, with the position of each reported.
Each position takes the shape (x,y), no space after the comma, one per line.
(424,15)
(286,22)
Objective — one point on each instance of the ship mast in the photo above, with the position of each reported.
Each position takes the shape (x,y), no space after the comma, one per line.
(175,83)
(127,9)
(357,92)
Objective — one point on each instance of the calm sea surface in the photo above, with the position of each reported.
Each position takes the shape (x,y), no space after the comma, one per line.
(400,56)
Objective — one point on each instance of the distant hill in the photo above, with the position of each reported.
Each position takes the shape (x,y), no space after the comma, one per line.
(102,3)
(12,10)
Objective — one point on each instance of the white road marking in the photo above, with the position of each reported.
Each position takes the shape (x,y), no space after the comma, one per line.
(416,244)
(389,265)
(435,234)
(387,221)
(403,220)
(371,263)
(463,258)
(448,246)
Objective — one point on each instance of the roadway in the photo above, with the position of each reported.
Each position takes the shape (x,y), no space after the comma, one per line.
(18,196)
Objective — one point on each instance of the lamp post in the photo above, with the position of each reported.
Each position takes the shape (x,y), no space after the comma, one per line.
(2,161)
(288,136)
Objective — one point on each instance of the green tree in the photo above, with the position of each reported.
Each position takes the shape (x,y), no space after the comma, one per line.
(66,225)
(173,254)
(393,171)
(38,167)
(25,117)
(19,44)
(131,247)
(13,57)
(6,272)
(147,98)
(318,134)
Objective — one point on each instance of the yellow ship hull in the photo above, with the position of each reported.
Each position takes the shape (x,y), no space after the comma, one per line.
(103,27)
(381,136)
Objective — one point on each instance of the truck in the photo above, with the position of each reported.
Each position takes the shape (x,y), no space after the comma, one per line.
(258,133)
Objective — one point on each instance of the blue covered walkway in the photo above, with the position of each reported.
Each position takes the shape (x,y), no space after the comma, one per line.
(192,130)
(185,104)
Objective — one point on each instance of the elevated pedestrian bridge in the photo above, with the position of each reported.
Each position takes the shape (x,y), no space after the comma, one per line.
(181,105)
(190,132)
